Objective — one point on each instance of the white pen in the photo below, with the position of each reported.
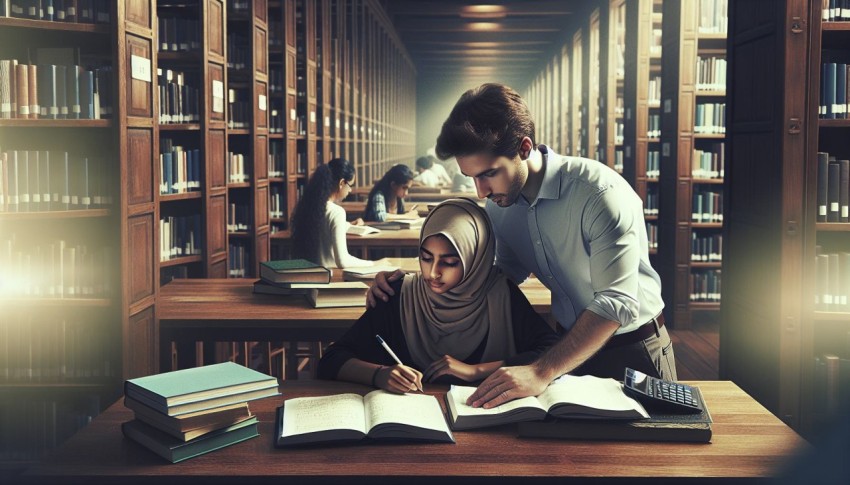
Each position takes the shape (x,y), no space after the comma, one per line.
(389,351)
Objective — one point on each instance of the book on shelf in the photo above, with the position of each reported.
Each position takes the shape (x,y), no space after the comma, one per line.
(294,271)
(832,281)
(659,427)
(66,11)
(200,388)
(585,397)
(336,295)
(362,230)
(352,417)
(192,425)
(176,450)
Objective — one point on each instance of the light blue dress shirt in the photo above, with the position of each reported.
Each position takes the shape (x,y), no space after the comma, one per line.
(585,238)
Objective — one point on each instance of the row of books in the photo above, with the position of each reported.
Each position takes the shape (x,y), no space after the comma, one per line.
(276,82)
(619,131)
(180,236)
(186,413)
(277,159)
(655,43)
(275,31)
(238,217)
(33,427)
(55,270)
(236,172)
(35,181)
(276,121)
(652,235)
(178,102)
(707,205)
(178,34)
(180,168)
(833,195)
(238,52)
(706,248)
(50,91)
(711,73)
(277,202)
(53,349)
(834,95)
(619,159)
(836,10)
(713,16)
(710,118)
(654,98)
(832,277)
(238,259)
(705,286)
(71,11)
(830,389)
(653,126)
(650,203)
(238,109)
(653,164)
(711,163)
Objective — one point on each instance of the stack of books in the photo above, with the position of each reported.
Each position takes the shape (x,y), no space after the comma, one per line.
(313,281)
(190,412)
(399,224)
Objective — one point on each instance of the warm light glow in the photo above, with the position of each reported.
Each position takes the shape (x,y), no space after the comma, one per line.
(482,45)
(484,26)
(484,11)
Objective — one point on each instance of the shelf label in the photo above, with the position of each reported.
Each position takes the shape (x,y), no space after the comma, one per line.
(292,114)
(262,102)
(337,123)
(665,149)
(668,106)
(140,68)
(327,121)
(218,96)
(312,116)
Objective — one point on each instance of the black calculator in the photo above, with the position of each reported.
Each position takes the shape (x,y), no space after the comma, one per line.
(662,396)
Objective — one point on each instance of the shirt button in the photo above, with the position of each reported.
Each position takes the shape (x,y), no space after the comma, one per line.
(538,243)
(550,277)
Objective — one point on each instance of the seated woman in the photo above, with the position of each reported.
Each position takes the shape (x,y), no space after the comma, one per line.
(457,321)
(318,224)
(386,199)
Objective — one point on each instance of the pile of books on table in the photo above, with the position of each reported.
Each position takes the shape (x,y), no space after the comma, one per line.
(313,281)
(186,413)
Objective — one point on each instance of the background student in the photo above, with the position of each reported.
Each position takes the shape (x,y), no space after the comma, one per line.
(318,224)
(427,176)
(459,320)
(386,199)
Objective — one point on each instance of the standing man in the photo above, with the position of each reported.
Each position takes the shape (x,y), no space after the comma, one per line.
(575,224)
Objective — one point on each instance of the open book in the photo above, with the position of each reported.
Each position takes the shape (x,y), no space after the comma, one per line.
(585,397)
(350,417)
(398,224)
(361,230)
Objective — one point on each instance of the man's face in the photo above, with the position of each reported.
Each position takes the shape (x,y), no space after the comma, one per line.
(499,179)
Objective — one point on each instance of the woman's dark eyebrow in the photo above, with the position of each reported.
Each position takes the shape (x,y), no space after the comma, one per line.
(449,255)
(426,251)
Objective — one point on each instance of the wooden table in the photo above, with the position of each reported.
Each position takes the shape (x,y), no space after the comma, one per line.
(390,240)
(227,310)
(748,443)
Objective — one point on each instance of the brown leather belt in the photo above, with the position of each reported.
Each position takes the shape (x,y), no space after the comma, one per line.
(648,329)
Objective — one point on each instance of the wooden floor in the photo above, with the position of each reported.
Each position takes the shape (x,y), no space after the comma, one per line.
(697,352)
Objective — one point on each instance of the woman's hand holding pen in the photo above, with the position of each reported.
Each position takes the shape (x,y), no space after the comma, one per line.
(399,379)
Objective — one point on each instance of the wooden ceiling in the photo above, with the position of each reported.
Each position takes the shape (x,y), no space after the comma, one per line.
(465,43)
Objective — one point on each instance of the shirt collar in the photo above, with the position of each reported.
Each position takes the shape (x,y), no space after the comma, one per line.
(550,188)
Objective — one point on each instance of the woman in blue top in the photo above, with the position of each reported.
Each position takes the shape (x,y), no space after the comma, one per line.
(386,200)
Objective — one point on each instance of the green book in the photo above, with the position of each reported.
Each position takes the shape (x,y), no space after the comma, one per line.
(199,388)
(175,450)
(294,271)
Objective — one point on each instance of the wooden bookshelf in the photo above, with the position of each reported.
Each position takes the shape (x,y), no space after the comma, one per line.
(681,95)
(40,315)
(615,88)
(765,333)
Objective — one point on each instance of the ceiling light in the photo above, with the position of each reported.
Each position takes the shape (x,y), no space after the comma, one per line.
(484,12)
(483,26)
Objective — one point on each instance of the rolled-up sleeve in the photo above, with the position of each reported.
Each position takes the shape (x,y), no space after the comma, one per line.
(610,228)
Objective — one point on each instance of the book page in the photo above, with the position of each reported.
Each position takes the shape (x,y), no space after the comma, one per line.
(312,414)
(459,394)
(420,410)
(591,392)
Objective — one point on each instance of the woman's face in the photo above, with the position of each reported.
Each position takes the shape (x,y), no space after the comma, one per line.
(400,190)
(345,188)
(440,263)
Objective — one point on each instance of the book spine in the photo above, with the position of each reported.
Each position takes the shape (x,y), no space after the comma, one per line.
(32,78)
(5,89)
(44,179)
(844,191)
(74,109)
(833,192)
(23,181)
(34,176)
(22,93)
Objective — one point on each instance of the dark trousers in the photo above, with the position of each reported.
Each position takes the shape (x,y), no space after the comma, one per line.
(652,356)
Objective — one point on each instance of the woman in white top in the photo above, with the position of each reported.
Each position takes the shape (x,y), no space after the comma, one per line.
(319,225)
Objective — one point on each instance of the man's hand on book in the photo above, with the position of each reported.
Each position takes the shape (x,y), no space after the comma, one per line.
(448,365)
(381,289)
(507,384)
(399,379)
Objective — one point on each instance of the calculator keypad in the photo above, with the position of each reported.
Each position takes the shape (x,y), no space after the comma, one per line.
(671,391)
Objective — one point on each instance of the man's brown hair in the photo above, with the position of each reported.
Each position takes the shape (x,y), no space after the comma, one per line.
(491,118)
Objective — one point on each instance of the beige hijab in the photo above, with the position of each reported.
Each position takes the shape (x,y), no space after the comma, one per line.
(479,307)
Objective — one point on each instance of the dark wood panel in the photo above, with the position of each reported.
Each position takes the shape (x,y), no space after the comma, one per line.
(216,159)
(140,170)
(216,73)
(261,54)
(141,245)
(261,10)
(138,12)
(261,211)
(261,158)
(261,113)
(140,93)
(215,27)
(262,247)
(216,226)
(141,345)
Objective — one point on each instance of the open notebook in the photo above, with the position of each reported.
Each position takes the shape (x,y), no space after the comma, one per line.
(351,417)
(585,397)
